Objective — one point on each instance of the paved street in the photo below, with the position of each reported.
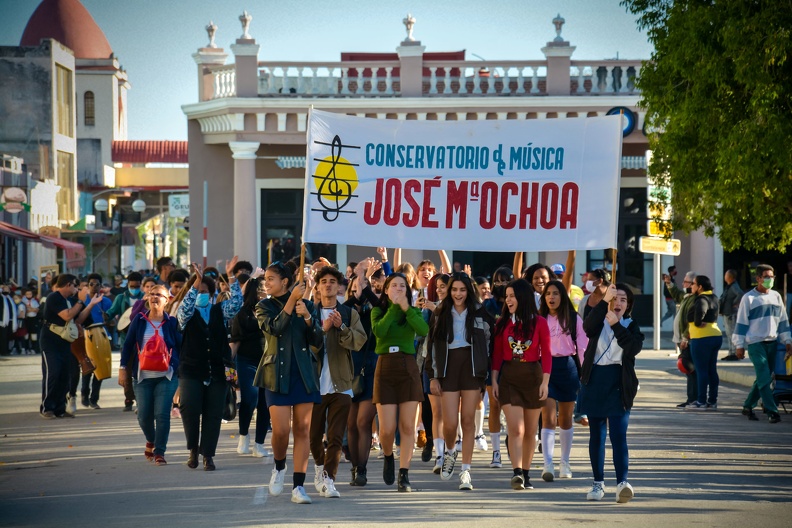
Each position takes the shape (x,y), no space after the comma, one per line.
(707,468)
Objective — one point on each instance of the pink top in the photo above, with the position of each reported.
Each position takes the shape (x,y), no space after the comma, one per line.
(561,342)
(508,347)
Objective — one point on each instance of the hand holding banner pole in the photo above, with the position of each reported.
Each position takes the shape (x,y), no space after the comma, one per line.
(301,272)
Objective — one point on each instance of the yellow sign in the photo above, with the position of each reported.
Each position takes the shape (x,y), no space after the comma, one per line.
(659,229)
(659,245)
(658,210)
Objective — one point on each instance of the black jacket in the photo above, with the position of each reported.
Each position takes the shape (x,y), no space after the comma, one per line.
(481,351)
(204,351)
(630,339)
(245,331)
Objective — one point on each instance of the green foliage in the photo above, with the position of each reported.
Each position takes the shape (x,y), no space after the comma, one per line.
(718,95)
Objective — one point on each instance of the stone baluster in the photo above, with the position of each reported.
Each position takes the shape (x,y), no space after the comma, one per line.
(490,81)
(389,80)
(506,81)
(345,81)
(609,79)
(447,81)
(580,80)
(300,80)
(520,81)
(433,80)
(595,80)
(619,82)
(535,80)
(476,81)
(314,84)
(634,87)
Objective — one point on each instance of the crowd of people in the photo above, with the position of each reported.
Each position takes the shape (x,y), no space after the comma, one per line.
(387,355)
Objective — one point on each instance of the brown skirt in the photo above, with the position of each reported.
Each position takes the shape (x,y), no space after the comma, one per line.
(396,379)
(519,384)
(459,372)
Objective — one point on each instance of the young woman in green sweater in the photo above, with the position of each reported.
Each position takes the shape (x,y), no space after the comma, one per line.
(397,384)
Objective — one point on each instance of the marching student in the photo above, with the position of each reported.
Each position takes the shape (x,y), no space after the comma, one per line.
(205,364)
(363,293)
(610,385)
(288,374)
(343,334)
(397,384)
(568,343)
(522,353)
(460,347)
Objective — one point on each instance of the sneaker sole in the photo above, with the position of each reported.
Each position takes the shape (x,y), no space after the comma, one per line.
(625,495)
(593,499)
(517,486)
(565,476)
(547,476)
(496,466)
(296,500)
(443,476)
(466,487)
(437,470)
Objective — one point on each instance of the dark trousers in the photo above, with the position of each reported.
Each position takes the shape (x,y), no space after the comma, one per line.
(704,351)
(5,339)
(618,437)
(129,391)
(55,380)
(74,376)
(333,412)
(252,399)
(202,413)
(91,387)
(692,387)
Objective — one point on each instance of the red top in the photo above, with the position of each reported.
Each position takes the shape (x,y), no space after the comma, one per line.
(510,348)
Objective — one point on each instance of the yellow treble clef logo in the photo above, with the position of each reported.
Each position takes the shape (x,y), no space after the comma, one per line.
(335,181)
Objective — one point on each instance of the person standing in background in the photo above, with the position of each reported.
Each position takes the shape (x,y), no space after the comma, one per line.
(729,302)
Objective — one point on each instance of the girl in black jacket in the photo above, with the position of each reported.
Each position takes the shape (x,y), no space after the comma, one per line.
(610,385)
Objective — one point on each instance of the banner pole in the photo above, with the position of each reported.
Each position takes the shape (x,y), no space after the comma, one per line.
(618,188)
(205,219)
(301,272)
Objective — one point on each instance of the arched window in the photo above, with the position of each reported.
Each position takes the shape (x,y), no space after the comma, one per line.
(90,112)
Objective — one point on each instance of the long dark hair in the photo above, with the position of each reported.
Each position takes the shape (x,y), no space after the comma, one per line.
(250,300)
(526,310)
(431,288)
(566,314)
(284,271)
(444,321)
(384,301)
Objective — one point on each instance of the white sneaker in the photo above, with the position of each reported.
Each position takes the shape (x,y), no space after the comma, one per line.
(496,460)
(438,467)
(330,491)
(299,496)
(319,478)
(243,447)
(464,480)
(624,492)
(71,405)
(458,445)
(548,473)
(259,451)
(276,482)
(481,443)
(397,452)
(597,492)
(565,472)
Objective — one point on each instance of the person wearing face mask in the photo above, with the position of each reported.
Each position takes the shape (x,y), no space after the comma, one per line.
(155,388)
(681,336)
(609,385)
(123,302)
(205,363)
(705,342)
(761,323)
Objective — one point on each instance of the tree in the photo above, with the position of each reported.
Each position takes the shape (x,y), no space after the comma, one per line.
(718,95)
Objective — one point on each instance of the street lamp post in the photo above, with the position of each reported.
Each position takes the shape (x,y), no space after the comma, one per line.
(138,206)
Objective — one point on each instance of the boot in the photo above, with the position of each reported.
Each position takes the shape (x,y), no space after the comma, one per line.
(192,461)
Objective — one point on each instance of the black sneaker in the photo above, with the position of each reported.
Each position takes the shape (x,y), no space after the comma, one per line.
(683,405)
(388,470)
(353,482)
(730,357)
(360,477)
(527,483)
(773,417)
(85,402)
(747,411)
(404,483)
(426,454)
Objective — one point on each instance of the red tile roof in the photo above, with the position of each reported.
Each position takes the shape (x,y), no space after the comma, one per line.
(149,151)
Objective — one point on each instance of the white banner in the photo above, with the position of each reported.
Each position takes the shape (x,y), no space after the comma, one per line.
(534,185)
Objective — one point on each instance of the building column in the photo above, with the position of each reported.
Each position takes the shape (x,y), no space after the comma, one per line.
(245,243)
(558,53)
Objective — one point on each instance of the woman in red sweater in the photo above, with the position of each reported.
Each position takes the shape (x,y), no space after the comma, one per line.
(522,358)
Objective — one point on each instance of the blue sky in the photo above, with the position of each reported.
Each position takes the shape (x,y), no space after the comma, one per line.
(154,39)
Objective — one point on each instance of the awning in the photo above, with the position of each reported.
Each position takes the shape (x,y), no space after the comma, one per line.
(18,232)
(74,252)
(61,243)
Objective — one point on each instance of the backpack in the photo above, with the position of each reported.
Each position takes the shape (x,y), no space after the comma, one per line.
(155,355)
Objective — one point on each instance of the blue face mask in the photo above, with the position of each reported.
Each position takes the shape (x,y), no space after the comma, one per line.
(134,292)
(202,300)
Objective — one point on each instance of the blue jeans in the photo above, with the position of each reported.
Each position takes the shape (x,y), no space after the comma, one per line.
(763,357)
(252,398)
(155,400)
(618,437)
(704,351)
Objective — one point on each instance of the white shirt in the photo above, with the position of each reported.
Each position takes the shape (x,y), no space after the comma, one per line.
(326,385)
(459,329)
(608,350)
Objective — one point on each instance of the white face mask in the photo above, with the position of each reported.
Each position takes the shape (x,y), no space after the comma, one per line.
(590,286)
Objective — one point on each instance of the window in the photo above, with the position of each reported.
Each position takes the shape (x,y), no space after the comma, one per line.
(65,178)
(90,115)
(64,89)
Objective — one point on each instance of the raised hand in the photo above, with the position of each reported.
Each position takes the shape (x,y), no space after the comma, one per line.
(229,266)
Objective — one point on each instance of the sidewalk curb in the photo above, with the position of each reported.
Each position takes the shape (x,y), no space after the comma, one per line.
(729,376)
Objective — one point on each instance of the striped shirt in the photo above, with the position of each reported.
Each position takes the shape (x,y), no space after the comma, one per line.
(761,317)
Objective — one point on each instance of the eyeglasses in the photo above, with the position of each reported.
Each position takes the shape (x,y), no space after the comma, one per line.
(157,295)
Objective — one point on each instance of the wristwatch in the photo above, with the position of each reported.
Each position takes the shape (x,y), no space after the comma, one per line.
(342,327)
